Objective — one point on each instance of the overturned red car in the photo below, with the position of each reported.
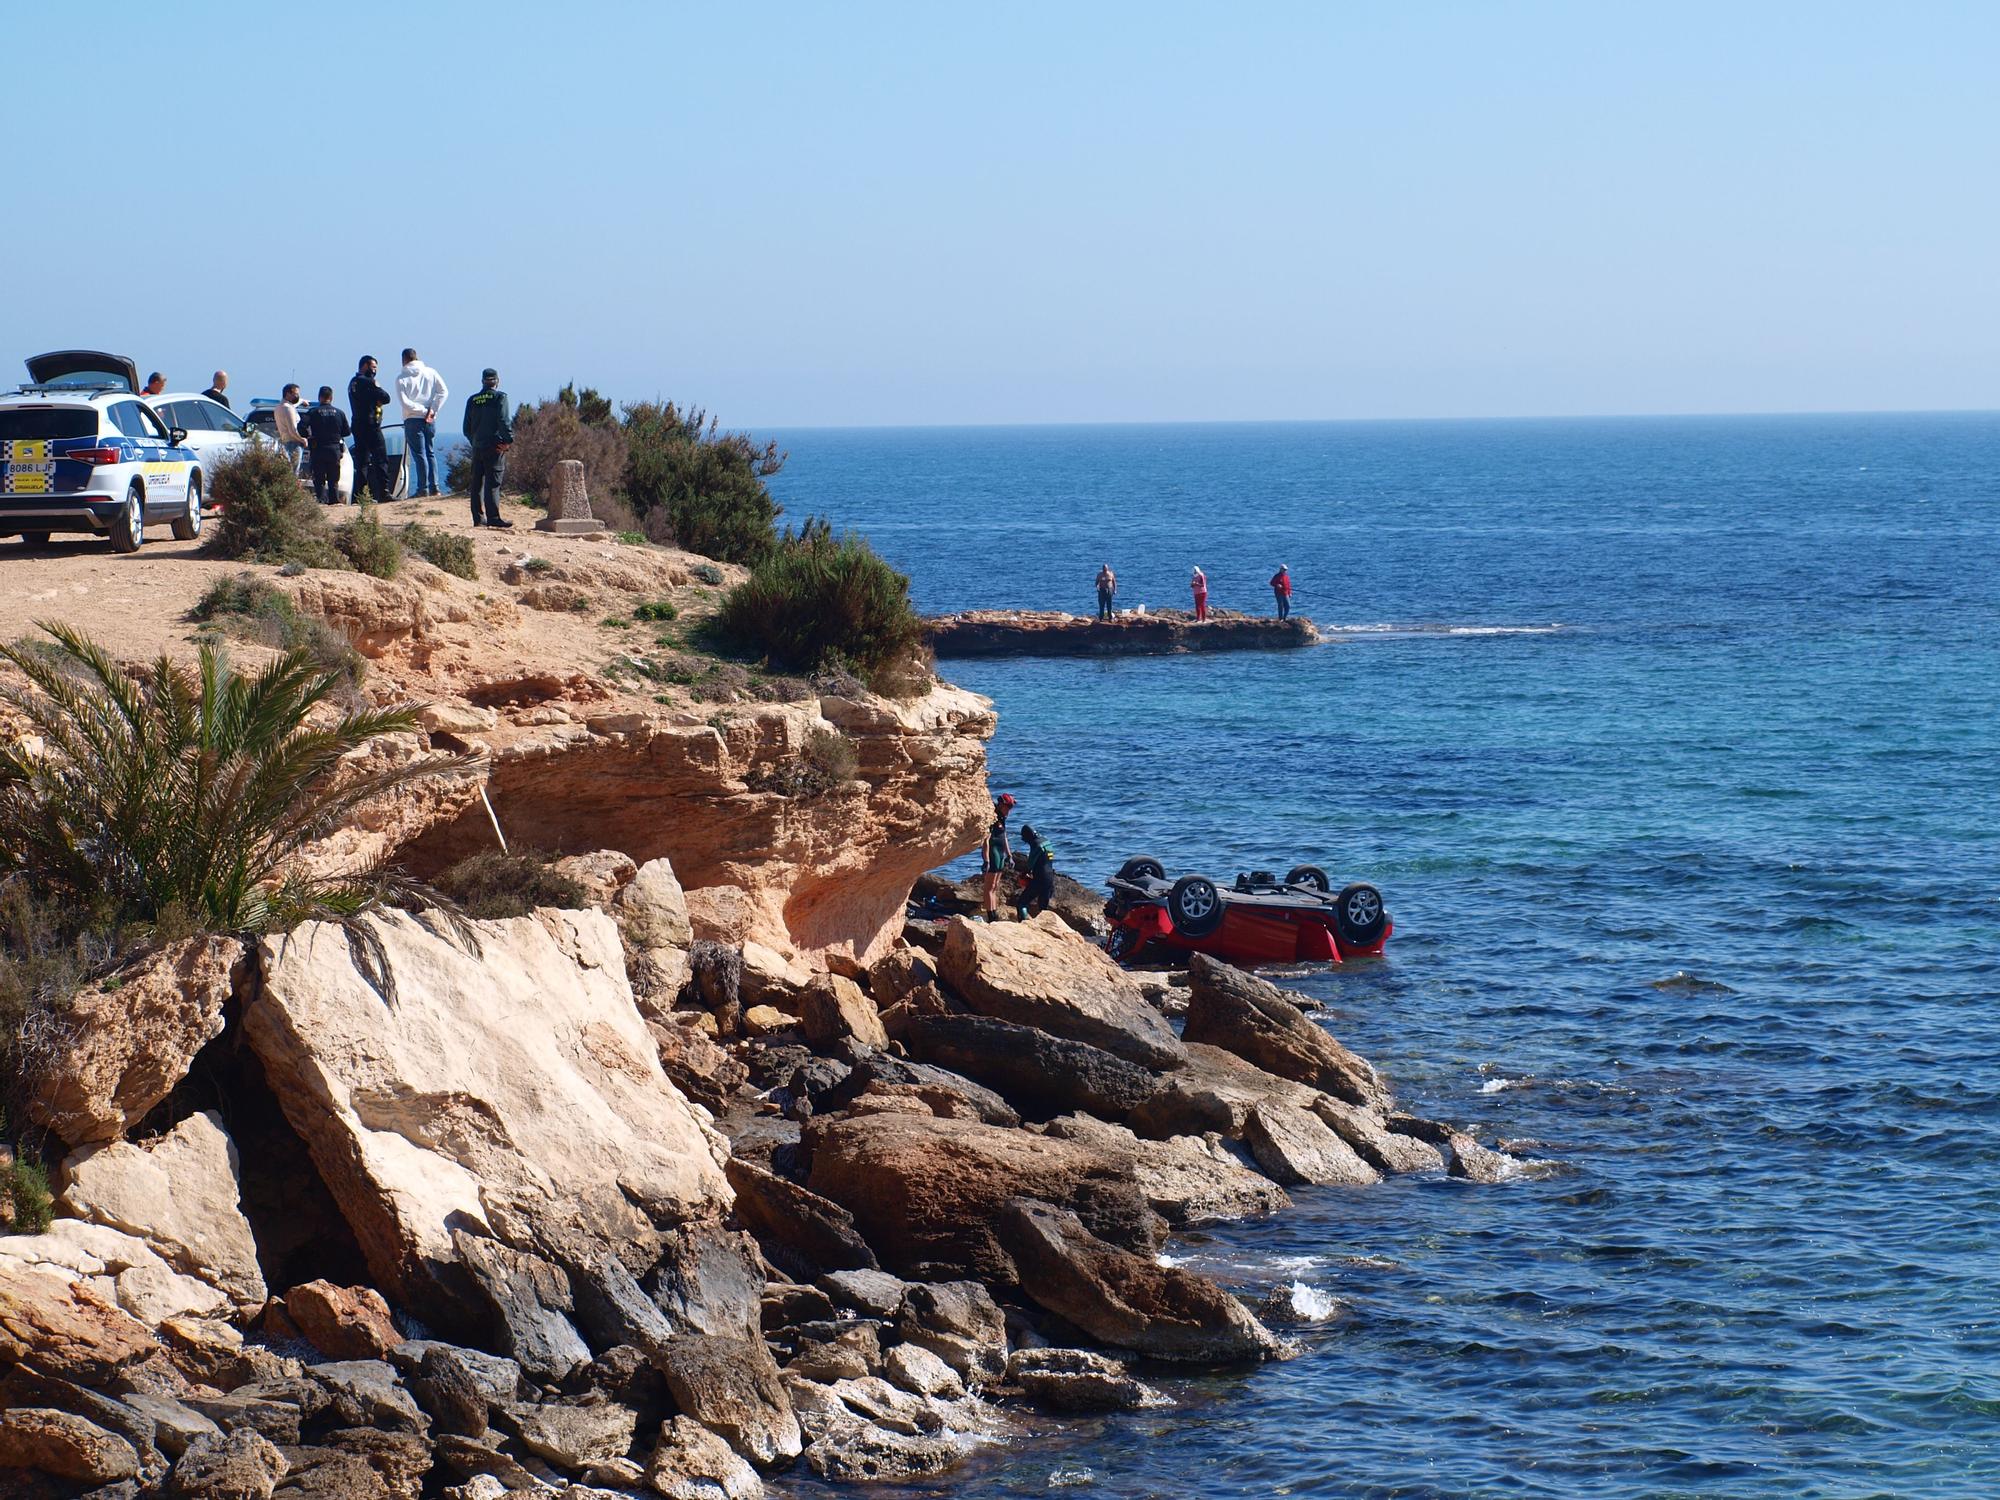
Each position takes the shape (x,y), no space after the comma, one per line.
(1259,920)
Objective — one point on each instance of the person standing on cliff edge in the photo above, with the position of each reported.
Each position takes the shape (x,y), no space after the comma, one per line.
(1107,590)
(365,401)
(994,856)
(1281,590)
(491,434)
(1200,583)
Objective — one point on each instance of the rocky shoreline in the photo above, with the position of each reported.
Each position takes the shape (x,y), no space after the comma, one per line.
(1016,632)
(582,1204)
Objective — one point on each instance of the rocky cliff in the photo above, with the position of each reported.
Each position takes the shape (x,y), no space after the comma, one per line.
(1170,632)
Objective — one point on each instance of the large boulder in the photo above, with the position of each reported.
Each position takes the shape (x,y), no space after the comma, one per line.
(835,1010)
(1041,974)
(652,908)
(1254,1019)
(1387,1151)
(180,1194)
(1189,1180)
(732,1387)
(1214,1094)
(1295,1145)
(127,1041)
(925,1191)
(803,1232)
(1039,1074)
(65,1331)
(343,1322)
(1125,1300)
(489,1079)
(692,1463)
(119,1268)
(64,1446)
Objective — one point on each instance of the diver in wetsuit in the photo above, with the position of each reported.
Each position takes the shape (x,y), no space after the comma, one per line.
(1041,872)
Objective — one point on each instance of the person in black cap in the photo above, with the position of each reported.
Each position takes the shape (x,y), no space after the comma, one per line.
(365,400)
(1041,887)
(491,434)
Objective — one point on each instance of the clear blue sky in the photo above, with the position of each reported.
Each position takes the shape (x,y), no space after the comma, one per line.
(832,213)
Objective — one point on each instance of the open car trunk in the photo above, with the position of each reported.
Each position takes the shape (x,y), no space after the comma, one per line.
(88,369)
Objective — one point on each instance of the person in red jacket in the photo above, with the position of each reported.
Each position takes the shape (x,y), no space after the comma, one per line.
(1281,589)
(1200,583)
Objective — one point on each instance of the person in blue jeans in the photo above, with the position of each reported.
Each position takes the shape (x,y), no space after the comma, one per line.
(420,392)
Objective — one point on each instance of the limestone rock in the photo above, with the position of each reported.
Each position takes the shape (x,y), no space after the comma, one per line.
(603,874)
(925,1192)
(509,1087)
(241,1465)
(445,1386)
(898,972)
(364,1393)
(860,1452)
(1039,1074)
(120,1268)
(880,1069)
(720,914)
(708,1280)
(1386,1150)
(574,1436)
(1214,1093)
(1254,1019)
(1294,1145)
(692,1463)
(180,1195)
(917,1369)
(64,1446)
(496,1377)
(1189,1180)
(836,1010)
(876,1293)
(652,909)
(1079,1380)
(1125,1300)
(1477,1163)
(129,1040)
(697,1066)
(731,1387)
(62,1330)
(770,978)
(343,1322)
(767,1020)
(959,1322)
(526,1300)
(805,1231)
(1041,974)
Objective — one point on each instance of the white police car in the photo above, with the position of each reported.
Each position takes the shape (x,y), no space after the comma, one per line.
(81,451)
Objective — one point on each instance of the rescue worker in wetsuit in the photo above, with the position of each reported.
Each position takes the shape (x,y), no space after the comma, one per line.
(994,856)
(365,401)
(1041,872)
(323,428)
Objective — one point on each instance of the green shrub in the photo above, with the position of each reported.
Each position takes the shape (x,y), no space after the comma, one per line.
(26,1187)
(708,573)
(656,609)
(631,538)
(615,622)
(249,607)
(185,796)
(260,511)
(496,884)
(367,547)
(699,486)
(458,469)
(550,432)
(832,754)
(449,550)
(827,760)
(538,566)
(818,603)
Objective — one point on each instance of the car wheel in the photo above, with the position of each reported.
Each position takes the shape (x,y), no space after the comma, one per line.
(35,538)
(128,532)
(1311,875)
(187,525)
(1195,905)
(1360,915)
(1143,867)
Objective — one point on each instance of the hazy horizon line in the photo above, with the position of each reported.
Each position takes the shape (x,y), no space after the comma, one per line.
(1613,416)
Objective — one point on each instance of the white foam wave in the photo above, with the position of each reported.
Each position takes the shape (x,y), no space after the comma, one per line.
(1501,1085)
(1066,1479)
(1169,1261)
(1297,1265)
(1312,1304)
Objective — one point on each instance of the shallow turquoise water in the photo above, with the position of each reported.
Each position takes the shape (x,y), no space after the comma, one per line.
(1760,750)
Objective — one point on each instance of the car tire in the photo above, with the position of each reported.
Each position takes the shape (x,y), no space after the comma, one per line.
(128,531)
(1311,875)
(1195,906)
(34,539)
(1142,867)
(1360,915)
(187,525)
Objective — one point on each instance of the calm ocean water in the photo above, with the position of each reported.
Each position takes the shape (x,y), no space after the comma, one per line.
(1694,896)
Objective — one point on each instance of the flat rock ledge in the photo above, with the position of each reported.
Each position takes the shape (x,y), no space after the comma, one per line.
(1027,632)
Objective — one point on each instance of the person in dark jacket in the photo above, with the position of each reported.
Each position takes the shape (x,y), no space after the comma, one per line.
(365,400)
(1041,872)
(994,856)
(491,433)
(216,387)
(323,428)
(1281,590)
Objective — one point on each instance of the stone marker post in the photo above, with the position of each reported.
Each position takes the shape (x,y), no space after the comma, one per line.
(569,506)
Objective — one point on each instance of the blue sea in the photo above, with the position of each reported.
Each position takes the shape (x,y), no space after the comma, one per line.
(1672,744)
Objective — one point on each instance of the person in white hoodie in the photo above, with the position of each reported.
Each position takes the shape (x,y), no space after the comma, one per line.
(420,391)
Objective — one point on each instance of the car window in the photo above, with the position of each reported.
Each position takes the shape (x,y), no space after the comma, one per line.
(173,412)
(150,426)
(220,418)
(28,423)
(129,418)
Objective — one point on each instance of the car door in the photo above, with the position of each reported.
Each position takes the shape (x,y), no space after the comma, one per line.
(165,478)
(232,433)
(211,444)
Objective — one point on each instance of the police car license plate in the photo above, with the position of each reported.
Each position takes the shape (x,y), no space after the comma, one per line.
(26,470)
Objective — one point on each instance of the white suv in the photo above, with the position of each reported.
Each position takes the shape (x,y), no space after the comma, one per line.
(80,451)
